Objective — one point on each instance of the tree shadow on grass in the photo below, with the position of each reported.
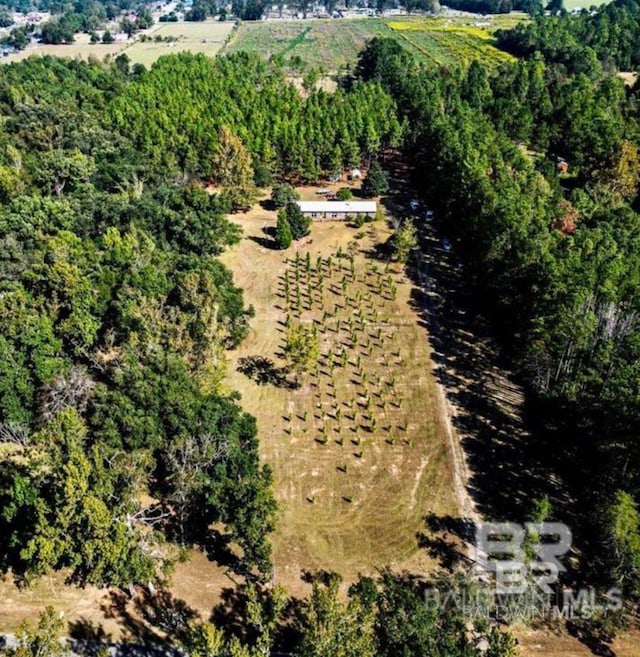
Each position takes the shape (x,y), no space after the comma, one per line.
(268,205)
(88,638)
(446,539)
(264,371)
(157,619)
(265,242)
(589,635)
(491,418)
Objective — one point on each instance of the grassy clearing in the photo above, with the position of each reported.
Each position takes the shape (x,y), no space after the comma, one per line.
(332,44)
(584,4)
(352,494)
(206,38)
(358,451)
(81,48)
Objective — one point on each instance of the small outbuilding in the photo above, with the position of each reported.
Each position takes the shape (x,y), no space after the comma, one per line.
(337,210)
(355,174)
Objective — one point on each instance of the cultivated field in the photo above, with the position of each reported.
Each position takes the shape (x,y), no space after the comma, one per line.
(319,43)
(358,450)
(332,44)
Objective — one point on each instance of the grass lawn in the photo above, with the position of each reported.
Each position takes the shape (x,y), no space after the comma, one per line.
(358,450)
(207,38)
(332,44)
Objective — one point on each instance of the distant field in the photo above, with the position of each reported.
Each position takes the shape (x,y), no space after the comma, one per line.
(206,38)
(332,44)
(447,42)
(329,44)
(584,4)
(81,48)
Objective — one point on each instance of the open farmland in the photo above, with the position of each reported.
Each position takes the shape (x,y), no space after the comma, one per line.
(206,38)
(81,48)
(584,4)
(334,44)
(319,43)
(330,45)
(448,42)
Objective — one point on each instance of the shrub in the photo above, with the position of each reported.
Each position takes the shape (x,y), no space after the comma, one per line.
(261,175)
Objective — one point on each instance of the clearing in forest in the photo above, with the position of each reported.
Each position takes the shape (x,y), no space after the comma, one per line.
(207,38)
(358,449)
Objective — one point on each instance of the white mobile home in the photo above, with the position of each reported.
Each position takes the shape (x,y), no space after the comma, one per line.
(337,210)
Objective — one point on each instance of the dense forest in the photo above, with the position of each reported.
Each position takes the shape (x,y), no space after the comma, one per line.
(533,171)
(608,39)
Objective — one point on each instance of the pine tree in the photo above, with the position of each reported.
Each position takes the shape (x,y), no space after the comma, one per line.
(297,221)
(233,169)
(376,182)
(283,231)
